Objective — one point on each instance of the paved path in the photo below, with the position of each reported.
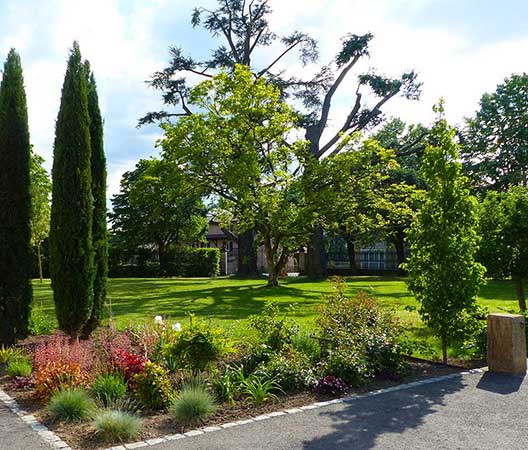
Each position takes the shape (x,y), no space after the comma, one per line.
(16,435)
(475,411)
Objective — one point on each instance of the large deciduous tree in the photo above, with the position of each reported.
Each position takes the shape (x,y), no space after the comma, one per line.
(244,28)
(40,206)
(71,248)
(99,227)
(15,200)
(442,271)
(235,148)
(504,228)
(158,205)
(495,144)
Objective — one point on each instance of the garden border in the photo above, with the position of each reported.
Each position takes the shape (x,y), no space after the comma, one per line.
(57,443)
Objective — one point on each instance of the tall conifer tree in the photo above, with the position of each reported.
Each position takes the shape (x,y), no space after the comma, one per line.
(71,249)
(99,229)
(15,204)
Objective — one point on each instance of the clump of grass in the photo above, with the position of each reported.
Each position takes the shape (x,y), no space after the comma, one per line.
(19,367)
(109,388)
(117,426)
(71,405)
(260,389)
(193,405)
(9,353)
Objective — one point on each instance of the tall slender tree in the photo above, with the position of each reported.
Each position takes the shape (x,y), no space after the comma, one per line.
(99,228)
(71,249)
(15,204)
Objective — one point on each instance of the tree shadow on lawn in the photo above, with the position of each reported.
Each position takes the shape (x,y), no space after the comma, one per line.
(226,303)
(361,422)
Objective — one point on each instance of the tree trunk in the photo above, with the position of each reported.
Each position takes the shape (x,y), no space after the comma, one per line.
(247,256)
(162,259)
(39,260)
(351,249)
(519,281)
(400,248)
(316,257)
(444,350)
(270,251)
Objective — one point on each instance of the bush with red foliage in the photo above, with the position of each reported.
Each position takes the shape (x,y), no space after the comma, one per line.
(130,364)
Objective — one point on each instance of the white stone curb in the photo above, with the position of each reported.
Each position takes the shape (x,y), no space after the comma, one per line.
(56,442)
(47,435)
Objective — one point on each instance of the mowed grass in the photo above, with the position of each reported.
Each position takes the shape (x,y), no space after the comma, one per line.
(228,302)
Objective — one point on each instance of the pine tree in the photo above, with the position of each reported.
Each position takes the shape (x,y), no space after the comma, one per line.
(71,250)
(15,201)
(99,229)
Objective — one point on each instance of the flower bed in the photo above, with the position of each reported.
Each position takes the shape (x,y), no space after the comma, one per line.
(165,378)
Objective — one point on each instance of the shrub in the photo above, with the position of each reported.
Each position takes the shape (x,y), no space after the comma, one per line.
(260,389)
(57,349)
(109,388)
(70,405)
(56,375)
(19,367)
(359,339)
(273,330)
(8,353)
(153,387)
(291,371)
(108,346)
(304,343)
(117,426)
(349,366)
(193,405)
(131,364)
(331,385)
(255,357)
(197,346)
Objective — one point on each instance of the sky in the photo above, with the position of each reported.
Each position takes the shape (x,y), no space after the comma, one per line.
(460,49)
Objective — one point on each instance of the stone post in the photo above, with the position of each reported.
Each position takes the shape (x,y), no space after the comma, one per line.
(506,344)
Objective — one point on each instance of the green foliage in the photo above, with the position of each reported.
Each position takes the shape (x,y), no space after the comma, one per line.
(71,249)
(117,426)
(360,340)
(99,226)
(235,149)
(227,385)
(153,387)
(197,346)
(15,231)
(109,388)
(443,273)
(260,388)
(307,345)
(503,222)
(9,353)
(193,262)
(40,323)
(494,144)
(158,205)
(19,367)
(70,405)
(40,186)
(274,331)
(291,371)
(193,405)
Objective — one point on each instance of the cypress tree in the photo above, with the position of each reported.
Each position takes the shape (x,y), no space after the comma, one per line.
(99,229)
(71,250)
(15,204)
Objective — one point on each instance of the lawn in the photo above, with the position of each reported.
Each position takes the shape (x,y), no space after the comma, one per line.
(229,301)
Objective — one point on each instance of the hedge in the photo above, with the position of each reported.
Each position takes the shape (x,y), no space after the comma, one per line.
(187,262)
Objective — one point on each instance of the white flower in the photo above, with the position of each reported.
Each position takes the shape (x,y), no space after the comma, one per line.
(176,326)
(158,320)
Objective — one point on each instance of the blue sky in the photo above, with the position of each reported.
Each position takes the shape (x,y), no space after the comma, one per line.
(460,48)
